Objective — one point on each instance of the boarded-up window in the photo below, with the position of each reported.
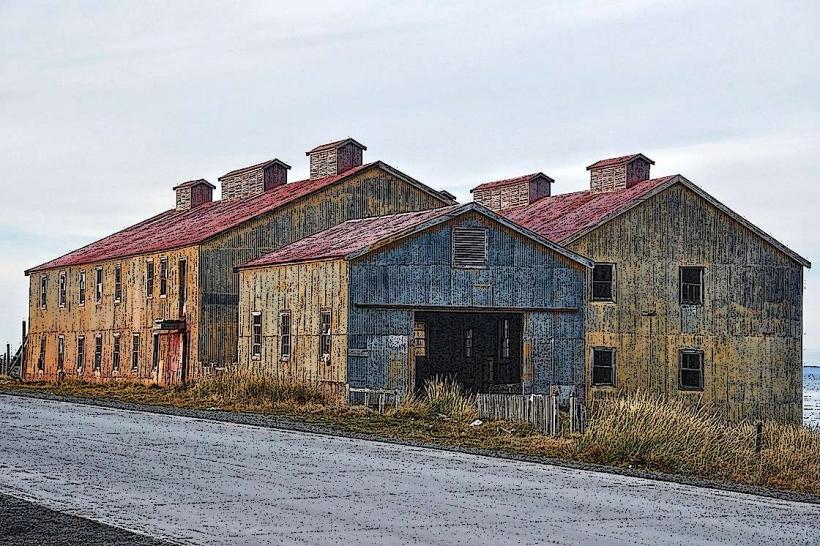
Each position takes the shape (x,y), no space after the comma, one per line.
(691,369)
(80,353)
(691,285)
(603,282)
(60,353)
(149,279)
(256,342)
(115,354)
(284,336)
(163,277)
(135,352)
(324,336)
(117,283)
(62,289)
(469,247)
(504,339)
(81,288)
(98,285)
(468,343)
(420,338)
(43,284)
(603,366)
(41,360)
(97,352)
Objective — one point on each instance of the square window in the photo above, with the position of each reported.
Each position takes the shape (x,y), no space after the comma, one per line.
(691,370)
(603,282)
(691,285)
(603,366)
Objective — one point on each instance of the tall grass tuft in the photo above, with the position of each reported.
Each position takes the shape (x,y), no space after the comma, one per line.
(445,396)
(671,435)
(246,387)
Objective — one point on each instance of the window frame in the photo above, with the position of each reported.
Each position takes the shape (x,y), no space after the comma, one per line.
(463,230)
(115,353)
(41,357)
(81,287)
(149,279)
(613,366)
(325,335)
(701,369)
(98,285)
(135,351)
(98,349)
(256,335)
(62,289)
(504,339)
(43,290)
(701,285)
(613,283)
(163,277)
(155,340)
(80,361)
(60,352)
(117,283)
(420,345)
(285,317)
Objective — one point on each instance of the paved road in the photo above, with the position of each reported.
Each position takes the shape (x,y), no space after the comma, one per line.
(197,481)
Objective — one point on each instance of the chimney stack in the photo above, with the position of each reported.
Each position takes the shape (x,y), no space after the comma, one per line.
(618,173)
(193,193)
(513,192)
(335,157)
(254,180)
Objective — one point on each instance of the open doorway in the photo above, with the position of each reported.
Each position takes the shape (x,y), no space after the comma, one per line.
(481,351)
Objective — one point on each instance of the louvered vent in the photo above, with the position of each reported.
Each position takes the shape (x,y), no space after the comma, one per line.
(469,247)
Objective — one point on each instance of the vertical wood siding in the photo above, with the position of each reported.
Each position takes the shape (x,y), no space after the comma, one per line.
(134,313)
(372,193)
(417,272)
(749,327)
(304,290)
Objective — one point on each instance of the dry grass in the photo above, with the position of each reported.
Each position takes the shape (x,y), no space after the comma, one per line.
(671,436)
(640,430)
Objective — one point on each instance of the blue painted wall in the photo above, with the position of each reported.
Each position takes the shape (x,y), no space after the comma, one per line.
(521,274)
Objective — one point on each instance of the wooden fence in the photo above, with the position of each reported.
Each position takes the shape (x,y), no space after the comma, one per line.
(542,411)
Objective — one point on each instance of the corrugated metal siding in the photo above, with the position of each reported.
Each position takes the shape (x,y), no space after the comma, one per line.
(520,274)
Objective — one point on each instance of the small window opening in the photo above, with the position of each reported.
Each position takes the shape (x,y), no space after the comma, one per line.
(62,289)
(41,359)
(115,354)
(97,352)
(603,282)
(60,353)
(691,285)
(98,285)
(163,277)
(256,334)
(324,337)
(603,366)
(420,338)
(155,357)
(135,352)
(43,284)
(149,279)
(81,291)
(80,353)
(691,369)
(284,340)
(117,283)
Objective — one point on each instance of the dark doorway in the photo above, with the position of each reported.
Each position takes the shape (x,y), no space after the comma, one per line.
(481,351)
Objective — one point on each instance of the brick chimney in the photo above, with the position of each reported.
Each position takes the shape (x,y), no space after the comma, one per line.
(513,192)
(618,173)
(193,193)
(254,180)
(335,157)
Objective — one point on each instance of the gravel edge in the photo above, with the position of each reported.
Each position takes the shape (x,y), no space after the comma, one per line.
(289,424)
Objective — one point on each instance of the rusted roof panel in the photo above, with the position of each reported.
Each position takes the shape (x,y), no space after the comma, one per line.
(174,229)
(559,217)
(348,237)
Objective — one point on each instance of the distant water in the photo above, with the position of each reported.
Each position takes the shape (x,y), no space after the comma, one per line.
(811,395)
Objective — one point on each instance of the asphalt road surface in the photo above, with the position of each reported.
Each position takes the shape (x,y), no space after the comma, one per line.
(196,481)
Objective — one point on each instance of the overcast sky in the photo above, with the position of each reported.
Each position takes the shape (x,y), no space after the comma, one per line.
(104,107)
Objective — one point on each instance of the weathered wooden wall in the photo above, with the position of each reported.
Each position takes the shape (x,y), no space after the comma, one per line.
(133,314)
(372,193)
(749,327)
(416,272)
(304,290)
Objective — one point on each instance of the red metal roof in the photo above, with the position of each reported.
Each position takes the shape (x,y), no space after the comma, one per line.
(257,166)
(510,181)
(348,237)
(175,229)
(561,216)
(617,161)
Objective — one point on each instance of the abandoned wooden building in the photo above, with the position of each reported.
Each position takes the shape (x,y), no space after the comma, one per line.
(158,301)
(687,298)
(385,303)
